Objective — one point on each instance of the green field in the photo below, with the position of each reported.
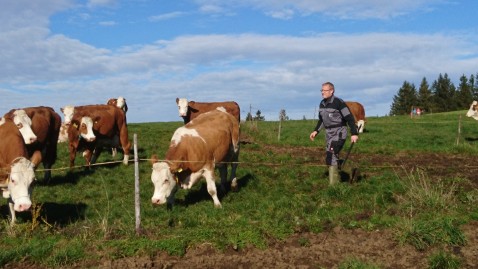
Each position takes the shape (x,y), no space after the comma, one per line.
(89,214)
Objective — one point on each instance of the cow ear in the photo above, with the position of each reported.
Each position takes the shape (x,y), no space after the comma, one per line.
(36,158)
(75,124)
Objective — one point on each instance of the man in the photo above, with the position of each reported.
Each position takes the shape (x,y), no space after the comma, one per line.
(334,115)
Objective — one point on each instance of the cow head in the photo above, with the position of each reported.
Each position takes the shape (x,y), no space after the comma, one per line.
(24,124)
(164,183)
(86,129)
(22,175)
(68,112)
(121,103)
(182,106)
(472,111)
(82,128)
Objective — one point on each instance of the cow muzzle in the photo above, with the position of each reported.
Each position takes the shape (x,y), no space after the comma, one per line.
(158,201)
(21,204)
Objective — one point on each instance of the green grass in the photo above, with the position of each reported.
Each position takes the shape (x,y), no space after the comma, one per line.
(90,214)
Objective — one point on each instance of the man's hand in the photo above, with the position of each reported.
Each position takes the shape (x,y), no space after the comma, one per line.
(354,138)
(312,135)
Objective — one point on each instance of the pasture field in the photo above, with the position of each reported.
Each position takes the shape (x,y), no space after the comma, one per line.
(413,204)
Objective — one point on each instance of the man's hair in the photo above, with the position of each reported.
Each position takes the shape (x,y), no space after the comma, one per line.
(330,84)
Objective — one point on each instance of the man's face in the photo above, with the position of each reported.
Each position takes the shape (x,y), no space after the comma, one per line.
(326,91)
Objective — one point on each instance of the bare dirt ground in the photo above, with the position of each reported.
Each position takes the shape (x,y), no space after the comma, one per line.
(327,249)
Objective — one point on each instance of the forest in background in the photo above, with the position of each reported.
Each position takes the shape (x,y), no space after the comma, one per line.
(442,96)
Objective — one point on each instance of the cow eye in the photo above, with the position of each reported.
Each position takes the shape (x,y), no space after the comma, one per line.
(19,125)
(13,181)
(166,182)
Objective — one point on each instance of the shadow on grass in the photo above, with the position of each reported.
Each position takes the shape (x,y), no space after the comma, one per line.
(71,177)
(471,139)
(351,176)
(52,213)
(197,195)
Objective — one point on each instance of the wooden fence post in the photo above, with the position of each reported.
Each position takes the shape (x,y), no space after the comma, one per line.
(136,187)
(459,131)
(280,127)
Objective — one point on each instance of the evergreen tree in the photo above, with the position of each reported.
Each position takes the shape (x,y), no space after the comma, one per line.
(405,99)
(443,94)
(464,94)
(258,116)
(474,86)
(424,96)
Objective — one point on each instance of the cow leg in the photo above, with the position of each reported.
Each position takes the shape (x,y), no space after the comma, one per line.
(73,149)
(234,165)
(87,154)
(125,144)
(211,186)
(96,154)
(223,174)
(191,180)
(116,143)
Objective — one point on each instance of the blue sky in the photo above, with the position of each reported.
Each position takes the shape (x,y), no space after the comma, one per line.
(266,55)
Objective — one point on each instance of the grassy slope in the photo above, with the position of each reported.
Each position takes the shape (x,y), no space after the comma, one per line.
(90,214)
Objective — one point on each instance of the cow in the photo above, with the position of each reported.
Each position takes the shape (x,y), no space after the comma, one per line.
(472,112)
(16,170)
(92,127)
(358,112)
(63,136)
(121,103)
(189,110)
(45,126)
(210,140)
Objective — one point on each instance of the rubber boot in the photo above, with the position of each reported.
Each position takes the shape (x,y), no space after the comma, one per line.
(333,175)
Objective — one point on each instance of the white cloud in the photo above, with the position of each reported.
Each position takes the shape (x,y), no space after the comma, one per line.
(166,16)
(345,9)
(107,23)
(99,3)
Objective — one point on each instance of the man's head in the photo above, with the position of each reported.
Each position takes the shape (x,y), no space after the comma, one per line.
(328,90)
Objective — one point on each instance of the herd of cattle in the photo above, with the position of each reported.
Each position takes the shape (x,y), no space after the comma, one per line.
(209,139)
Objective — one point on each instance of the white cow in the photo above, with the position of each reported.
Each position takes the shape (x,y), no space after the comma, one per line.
(472,111)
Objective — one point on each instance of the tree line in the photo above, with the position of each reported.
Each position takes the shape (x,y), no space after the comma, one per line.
(442,96)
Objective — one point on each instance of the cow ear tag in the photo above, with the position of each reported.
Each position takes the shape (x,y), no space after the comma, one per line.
(176,175)
(75,125)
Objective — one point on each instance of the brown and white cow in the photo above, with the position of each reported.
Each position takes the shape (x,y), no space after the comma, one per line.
(208,141)
(119,102)
(189,110)
(45,126)
(93,127)
(358,112)
(63,136)
(472,112)
(16,170)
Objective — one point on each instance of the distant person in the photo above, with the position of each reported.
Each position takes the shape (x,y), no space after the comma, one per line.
(419,111)
(334,116)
